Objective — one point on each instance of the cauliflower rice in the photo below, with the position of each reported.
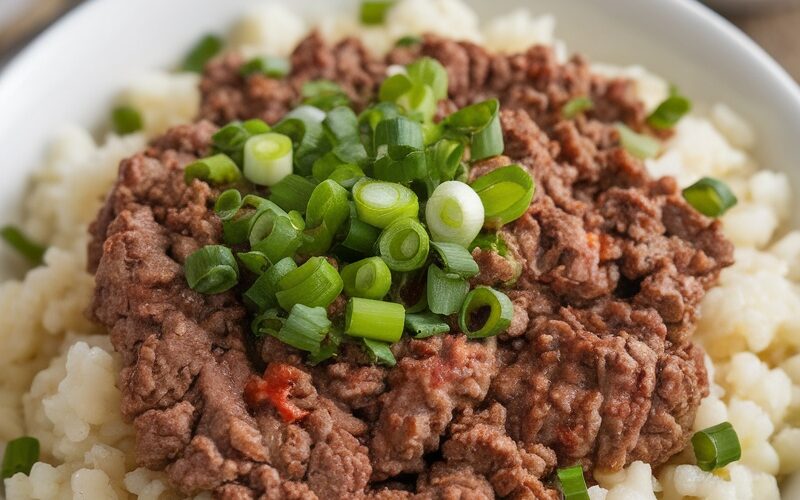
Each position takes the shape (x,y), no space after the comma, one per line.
(58,371)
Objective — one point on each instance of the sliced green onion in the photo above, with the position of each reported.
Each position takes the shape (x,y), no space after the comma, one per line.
(236,230)
(314,284)
(400,157)
(404,245)
(572,482)
(292,193)
(669,112)
(454,213)
(576,106)
(710,197)
(443,159)
(379,352)
(283,240)
(341,127)
(267,158)
(488,141)
(430,72)
(485,313)
(425,325)
(374,319)
(374,11)
(228,204)
(473,118)
(328,209)
(217,169)
(456,259)
(492,242)
(256,126)
(367,279)
(261,295)
(381,203)
(394,87)
(268,322)
(408,41)
(328,349)
(419,103)
(255,262)
(231,139)
(370,118)
(20,455)
(201,53)
(639,145)
(126,120)
(211,270)
(304,126)
(16,239)
(273,67)
(347,175)
(506,194)
(446,292)
(305,328)
(324,94)
(361,237)
(398,131)
(716,446)
(263,220)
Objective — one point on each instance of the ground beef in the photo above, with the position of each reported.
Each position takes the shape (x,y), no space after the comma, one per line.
(605,271)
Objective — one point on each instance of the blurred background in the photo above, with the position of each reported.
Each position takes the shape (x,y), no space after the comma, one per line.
(774,24)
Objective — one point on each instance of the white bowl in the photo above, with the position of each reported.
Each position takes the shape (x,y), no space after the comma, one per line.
(71,73)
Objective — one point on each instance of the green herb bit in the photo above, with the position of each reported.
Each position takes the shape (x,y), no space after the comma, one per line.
(126,120)
(710,197)
(16,239)
(201,53)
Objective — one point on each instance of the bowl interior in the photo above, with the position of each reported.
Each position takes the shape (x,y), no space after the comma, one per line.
(72,72)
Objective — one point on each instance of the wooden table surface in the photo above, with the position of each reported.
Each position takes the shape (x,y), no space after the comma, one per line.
(778,32)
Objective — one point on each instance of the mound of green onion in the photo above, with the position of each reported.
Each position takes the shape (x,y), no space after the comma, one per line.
(329,207)
(716,446)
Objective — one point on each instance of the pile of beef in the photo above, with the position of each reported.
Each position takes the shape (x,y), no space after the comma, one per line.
(598,367)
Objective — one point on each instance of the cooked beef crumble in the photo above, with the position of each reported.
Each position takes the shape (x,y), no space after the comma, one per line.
(598,367)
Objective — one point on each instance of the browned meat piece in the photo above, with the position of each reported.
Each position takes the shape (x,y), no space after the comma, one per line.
(452,375)
(228,96)
(605,270)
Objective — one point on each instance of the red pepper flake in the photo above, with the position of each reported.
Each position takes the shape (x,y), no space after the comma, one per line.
(274,388)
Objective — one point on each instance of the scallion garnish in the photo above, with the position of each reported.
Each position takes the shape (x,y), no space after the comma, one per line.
(211,270)
(367,279)
(427,324)
(381,203)
(282,237)
(428,71)
(347,175)
(304,126)
(639,145)
(446,292)
(710,197)
(314,284)
(269,322)
(374,319)
(201,53)
(324,94)
(261,295)
(669,112)
(217,169)
(16,239)
(443,160)
(408,41)
(576,106)
(486,312)
(490,241)
(20,455)
(254,261)
(228,204)
(506,194)
(126,120)
(379,352)
(404,245)
(454,213)
(292,193)
(374,11)
(716,446)
(305,328)
(267,158)
(273,67)
(488,141)
(572,482)
(360,237)
(455,259)
(473,118)
(328,209)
